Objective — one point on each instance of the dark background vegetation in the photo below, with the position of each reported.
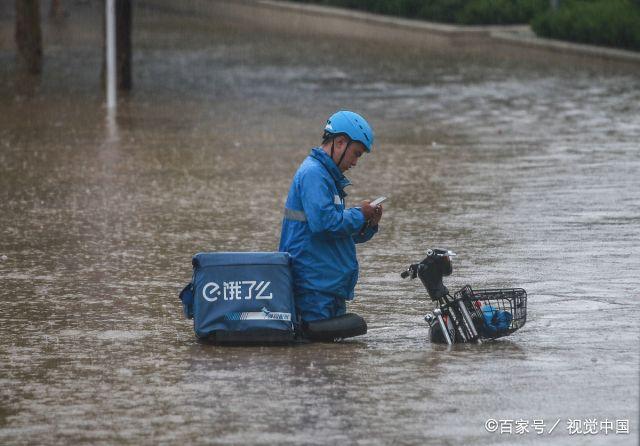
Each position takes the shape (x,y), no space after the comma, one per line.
(601,22)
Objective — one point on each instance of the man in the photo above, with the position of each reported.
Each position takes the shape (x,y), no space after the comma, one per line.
(318,231)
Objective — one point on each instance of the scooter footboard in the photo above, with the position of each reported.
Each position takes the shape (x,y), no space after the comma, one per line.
(327,330)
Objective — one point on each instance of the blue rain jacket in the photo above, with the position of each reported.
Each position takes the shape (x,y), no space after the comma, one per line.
(319,233)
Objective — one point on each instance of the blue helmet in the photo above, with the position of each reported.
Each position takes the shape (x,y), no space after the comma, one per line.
(351,124)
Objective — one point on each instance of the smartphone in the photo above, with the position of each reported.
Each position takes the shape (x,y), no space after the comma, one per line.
(377,201)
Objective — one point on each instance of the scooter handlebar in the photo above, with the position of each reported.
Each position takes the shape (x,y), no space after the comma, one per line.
(411,272)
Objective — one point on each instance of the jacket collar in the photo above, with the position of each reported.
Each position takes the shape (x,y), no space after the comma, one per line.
(332,168)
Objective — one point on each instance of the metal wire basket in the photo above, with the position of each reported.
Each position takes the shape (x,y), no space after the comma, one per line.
(495,312)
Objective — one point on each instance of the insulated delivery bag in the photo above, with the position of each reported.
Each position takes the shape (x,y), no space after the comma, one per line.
(239,297)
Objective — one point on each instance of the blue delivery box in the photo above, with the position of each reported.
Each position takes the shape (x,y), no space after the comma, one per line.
(239,297)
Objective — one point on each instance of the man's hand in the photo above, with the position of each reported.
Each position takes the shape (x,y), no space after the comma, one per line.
(371,214)
(367,210)
(377,215)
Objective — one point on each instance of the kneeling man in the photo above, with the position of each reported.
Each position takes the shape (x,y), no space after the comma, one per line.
(318,231)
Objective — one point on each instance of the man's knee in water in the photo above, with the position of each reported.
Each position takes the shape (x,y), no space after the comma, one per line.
(316,307)
(325,318)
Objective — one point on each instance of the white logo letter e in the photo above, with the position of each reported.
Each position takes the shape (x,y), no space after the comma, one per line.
(214,292)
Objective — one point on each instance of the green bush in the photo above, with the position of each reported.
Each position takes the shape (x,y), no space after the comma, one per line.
(600,22)
(501,11)
(442,10)
(469,12)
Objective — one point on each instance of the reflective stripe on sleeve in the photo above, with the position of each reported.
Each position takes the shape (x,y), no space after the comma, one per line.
(292,214)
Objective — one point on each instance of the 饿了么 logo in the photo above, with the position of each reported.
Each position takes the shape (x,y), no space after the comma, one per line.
(237,290)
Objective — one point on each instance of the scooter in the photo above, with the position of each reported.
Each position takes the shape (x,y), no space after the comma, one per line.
(469,315)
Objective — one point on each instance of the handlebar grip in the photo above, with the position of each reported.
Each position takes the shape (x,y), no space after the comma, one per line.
(404,274)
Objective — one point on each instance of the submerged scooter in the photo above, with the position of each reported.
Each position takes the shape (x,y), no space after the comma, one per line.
(469,315)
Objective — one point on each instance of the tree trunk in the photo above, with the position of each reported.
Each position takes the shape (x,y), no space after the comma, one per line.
(55,11)
(123,43)
(29,35)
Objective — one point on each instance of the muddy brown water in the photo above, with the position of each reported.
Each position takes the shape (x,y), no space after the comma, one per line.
(526,167)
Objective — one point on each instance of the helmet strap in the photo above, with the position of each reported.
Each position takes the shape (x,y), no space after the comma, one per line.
(344,152)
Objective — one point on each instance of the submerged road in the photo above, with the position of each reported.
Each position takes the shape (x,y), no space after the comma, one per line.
(525,165)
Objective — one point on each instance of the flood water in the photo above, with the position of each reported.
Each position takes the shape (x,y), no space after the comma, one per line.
(526,165)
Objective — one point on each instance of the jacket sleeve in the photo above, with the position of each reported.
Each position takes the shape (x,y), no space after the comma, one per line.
(369,232)
(320,210)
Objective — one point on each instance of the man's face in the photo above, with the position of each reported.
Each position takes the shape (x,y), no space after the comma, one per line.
(354,152)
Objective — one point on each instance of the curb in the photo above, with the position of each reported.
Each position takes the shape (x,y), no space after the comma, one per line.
(520,35)
(531,40)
